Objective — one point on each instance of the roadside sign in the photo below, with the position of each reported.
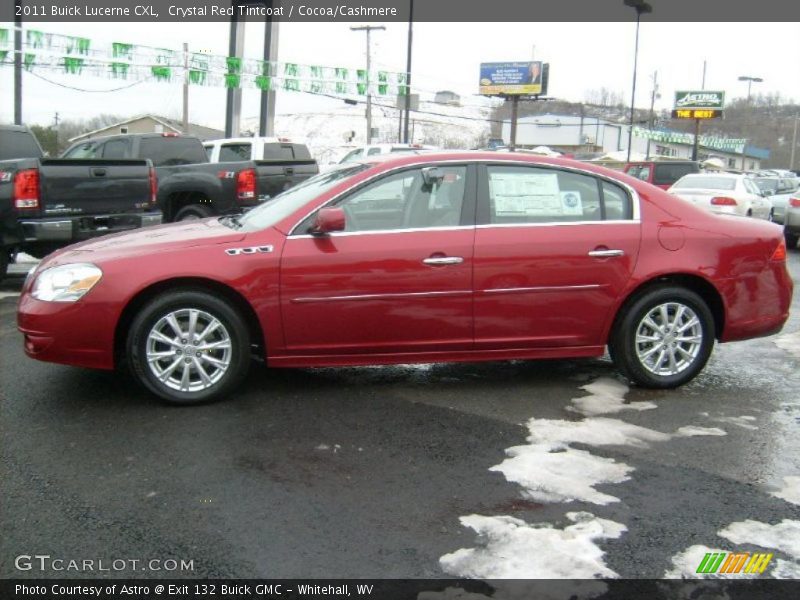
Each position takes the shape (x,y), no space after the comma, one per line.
(698,104)
(514,78)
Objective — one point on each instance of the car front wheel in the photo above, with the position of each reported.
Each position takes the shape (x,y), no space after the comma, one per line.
(189,347)
(663,338)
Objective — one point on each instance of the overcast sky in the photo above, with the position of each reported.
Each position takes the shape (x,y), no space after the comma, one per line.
(583,56)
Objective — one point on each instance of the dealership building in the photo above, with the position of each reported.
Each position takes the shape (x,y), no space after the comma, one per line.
(585,137)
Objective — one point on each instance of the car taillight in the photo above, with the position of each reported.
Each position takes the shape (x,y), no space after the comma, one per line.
(153,186)
(246,184)
(780,252)
(26,189)
(723,201)
(794,202)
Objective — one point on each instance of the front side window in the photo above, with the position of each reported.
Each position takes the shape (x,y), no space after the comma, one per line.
(406,200)
(85,150)
(539,195)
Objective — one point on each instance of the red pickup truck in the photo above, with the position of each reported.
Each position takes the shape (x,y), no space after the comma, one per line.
(661,173)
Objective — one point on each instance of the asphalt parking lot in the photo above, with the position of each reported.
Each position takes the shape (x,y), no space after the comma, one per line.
(368,472)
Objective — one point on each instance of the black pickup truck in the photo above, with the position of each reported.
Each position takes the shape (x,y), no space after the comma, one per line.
(46,204)
(190,187)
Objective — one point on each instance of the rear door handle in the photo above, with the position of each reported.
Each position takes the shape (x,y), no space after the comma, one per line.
(443,260)
(606,253)
(99,172)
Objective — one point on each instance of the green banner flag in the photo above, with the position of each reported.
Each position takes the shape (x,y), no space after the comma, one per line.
(120,50)
(3,37)
(28,61)
(73,65)
(77,44)
(383,83)
(232,80)
(291,85)
(234,64)
(119,70)
(263,82)
(161,73)
(34,39)
(197,77)
(3,55)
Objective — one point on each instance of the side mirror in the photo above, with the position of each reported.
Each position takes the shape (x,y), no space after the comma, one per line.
(329,220)
(432,175)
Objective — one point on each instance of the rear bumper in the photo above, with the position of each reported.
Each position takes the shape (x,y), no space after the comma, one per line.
(79,228)
(791,220)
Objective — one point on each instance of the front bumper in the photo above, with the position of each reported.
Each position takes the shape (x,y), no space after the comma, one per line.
(79,228)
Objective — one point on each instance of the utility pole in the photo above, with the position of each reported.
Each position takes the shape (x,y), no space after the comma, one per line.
(233,103)
(696,144)
(652,107)
(185,88)
(408,70)
(794,144)
(266,122)
(56,119)
(17,69)
(369,29)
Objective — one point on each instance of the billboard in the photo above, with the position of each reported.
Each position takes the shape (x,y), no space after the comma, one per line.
(514,78)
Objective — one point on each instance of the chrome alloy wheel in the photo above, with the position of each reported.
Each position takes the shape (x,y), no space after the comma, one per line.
(189,350)
(669,339)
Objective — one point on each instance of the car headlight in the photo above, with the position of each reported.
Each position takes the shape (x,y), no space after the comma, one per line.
(66,283)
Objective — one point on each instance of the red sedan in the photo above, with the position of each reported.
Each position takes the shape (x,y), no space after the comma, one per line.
(424,258)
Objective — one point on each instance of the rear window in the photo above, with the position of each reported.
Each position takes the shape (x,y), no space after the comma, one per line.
(18,144)
(706,182)
(278,151)
(170,151)
(234,152)
(667,174)
(767,185)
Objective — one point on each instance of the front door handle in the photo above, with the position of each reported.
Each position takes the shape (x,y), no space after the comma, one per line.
(443,260)
(606,253)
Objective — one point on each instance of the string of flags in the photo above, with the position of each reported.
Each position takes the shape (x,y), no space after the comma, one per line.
(80,56)
(679,137)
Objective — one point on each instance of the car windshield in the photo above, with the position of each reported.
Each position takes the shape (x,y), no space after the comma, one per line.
(280,207)
(706,182)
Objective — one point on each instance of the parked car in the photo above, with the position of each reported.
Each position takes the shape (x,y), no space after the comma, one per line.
(729,193)
(779,190)
(791,225)
(478,256)
(189,186)
(661,173)
(258,148)
(377,149)
(49,203)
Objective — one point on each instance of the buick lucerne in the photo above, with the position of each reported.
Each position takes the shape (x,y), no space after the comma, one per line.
(460,256)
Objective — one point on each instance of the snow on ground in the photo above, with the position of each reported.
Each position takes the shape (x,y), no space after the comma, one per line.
(744,421)
(784,536)
(790,490)
(684,565)
(606,396)
(512,549)
(693,430)
(789,342)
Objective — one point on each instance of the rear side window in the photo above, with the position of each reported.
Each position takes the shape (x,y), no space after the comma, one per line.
(667,174)
(84,150)
(373,151)
(170,151)
(115,149)
(536,195)
(18,144)
(235,152)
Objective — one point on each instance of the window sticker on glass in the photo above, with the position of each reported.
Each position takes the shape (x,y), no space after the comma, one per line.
(526,194)
(571,203)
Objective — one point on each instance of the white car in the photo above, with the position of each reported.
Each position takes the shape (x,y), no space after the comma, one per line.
(729,193)
(373,149)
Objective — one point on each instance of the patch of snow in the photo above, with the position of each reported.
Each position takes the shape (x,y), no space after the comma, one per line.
(784,536)
(26,258)
(790,490)
(512,549)
(786,569)
(323,447)
(597,431)
(9,295)
(789,342)
(745,421)
(693,430)
(606,396)
(563,476)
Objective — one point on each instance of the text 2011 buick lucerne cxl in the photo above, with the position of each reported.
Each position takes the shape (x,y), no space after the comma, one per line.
(423,258)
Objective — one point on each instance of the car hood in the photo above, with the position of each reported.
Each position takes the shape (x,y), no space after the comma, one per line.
(147,241)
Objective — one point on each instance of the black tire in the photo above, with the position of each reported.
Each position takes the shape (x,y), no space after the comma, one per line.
(623,347)
(193,212)
(791,239)
(233,326)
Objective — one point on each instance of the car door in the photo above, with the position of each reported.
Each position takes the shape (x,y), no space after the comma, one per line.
(554,250)
(398,279)
(761,206)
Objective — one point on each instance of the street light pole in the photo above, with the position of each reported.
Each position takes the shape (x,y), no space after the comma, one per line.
(407,109)
(369,29)
(641,8)
(749,81)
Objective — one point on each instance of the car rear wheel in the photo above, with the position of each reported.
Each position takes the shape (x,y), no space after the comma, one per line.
(193,212)
(189,347)
(663,338)
(791,239)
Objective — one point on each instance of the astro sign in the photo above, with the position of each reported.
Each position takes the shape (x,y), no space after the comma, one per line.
(698,105)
